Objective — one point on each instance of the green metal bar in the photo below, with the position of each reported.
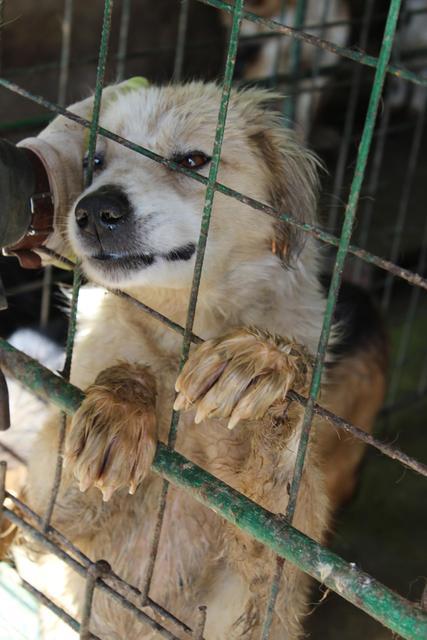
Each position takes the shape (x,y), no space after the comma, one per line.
(213,172)
(402,350)
(64,68)
(338,188)
(347,580)
(289,105)
(123,40)
(40,380)
(26,123)
(279,45)
(349,218)
(413,278)
(77,276)
(206,43)
(405,199)
(345,52)
(201,246)
(180,41)
(272,530)
(100,74)
(64,64)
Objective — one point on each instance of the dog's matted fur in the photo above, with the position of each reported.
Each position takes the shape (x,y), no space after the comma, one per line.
(260,311)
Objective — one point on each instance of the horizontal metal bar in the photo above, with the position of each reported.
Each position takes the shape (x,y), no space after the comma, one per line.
(387,449)
(35,378)
(410,277)
(12,453)
(25,123)
(40,380)
(357,56)
(129,591)
(58,611)
(204,44)
(53,548)
(345,579)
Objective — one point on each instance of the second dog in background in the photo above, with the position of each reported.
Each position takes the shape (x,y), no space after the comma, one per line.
(266,55)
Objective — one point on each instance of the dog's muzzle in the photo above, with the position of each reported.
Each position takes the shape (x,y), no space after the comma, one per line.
(104,218)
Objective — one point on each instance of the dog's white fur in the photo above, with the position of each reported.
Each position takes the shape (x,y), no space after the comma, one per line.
(201,560)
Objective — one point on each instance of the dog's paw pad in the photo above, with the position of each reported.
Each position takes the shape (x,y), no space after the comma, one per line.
(112,440)
(241,376)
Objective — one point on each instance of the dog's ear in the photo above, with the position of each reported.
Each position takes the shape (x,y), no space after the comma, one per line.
(292,176)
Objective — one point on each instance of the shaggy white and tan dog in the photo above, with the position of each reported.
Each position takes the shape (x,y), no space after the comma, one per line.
(260,311)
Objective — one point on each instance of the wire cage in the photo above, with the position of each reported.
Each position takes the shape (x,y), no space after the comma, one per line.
(354,74)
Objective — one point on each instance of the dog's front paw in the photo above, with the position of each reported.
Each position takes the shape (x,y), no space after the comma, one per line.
(112,440)
(241,376)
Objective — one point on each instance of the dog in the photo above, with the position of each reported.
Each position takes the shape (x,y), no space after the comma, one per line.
(263,58)
(260,311)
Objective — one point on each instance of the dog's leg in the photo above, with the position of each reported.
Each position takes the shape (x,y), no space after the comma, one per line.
(113,435)
(110,443)
(245,376)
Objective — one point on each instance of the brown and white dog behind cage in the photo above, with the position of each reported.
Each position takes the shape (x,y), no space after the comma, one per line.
(262,55)
(260,312)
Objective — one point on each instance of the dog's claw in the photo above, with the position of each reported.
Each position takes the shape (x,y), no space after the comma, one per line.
(180,402)
(107,492)
(233,421)
(84,484)
(248,372)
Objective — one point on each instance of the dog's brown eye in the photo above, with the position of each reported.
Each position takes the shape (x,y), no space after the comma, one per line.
(192,160)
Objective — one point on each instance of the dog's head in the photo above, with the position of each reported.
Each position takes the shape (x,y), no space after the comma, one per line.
(139,221)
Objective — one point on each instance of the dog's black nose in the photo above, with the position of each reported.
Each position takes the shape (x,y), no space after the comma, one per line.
(102,210)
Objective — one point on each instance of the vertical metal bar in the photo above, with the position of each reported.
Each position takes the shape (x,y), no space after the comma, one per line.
(64,68)
(318,55)
(64,65)
(201,246)
(289,105)
(77,279)
(349,122)
(422,384)
(2,5)
(72,328)
(100,75)
(3,469)
(409,319)
(279,45)
(347,228)
(404,200)
(123,40)
(350,213)
(180,42)
(4,403)
(46,297)
(373,181)
(95,571)
(199,627)
(274,592)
